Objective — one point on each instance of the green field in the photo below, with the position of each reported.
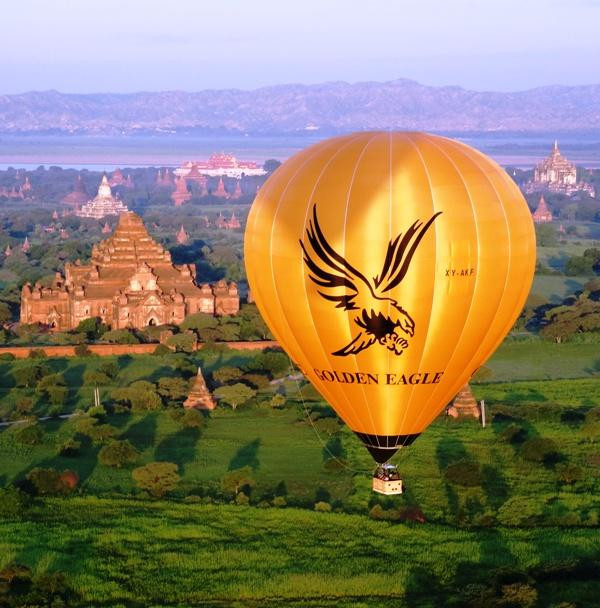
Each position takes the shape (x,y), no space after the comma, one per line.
(521,530)
(132,553)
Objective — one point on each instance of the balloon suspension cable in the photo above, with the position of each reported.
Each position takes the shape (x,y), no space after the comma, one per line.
(312,424)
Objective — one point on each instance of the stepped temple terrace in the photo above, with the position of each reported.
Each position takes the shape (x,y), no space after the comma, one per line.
(130,281)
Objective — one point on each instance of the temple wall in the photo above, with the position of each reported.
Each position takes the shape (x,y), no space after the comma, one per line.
(103,350)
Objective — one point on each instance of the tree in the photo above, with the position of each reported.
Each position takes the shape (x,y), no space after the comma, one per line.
(13,503)
(31,434)
(192,419)
(546,235)
(198,321)
(157,478)
(82,350)
(117,454)
(271,164)
(120,336)
(234,394)
(226,374)
(185,343)
(5,313)
(93,328)
(238,480)
(92,377)
(175,389)
(539,449)
(50,481)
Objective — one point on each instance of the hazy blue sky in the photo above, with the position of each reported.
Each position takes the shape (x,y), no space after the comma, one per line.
(130,45)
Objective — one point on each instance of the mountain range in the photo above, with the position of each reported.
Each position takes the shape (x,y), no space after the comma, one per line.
(329,107)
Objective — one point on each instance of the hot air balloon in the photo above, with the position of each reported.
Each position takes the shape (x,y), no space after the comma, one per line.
(389,266)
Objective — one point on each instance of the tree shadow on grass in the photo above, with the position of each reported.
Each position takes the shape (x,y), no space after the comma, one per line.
(494,485)
(246,456)
(424,589)
(179,447)
(142,433)
(74,376)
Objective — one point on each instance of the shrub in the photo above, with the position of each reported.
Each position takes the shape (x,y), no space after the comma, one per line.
(569,473)
(464,473)
(97,411)
(279,502)
(7,357)
(161,350)
(519,594)
(120,336)
(277,401)
(241,499)
(31,434)
(70,448)
(539,449)
(238,480)
(192,419)
(157,478)
(519,511)
(117,454)
(37,353)
(24,405)
(50,481)
(12,503)
(323,507)
(82,350)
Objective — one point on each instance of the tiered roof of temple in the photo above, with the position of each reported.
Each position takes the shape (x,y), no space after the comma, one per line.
(103,204)
(118,179)
(181,194)
(557,174)
(131,281)
(164,179)
(542,214)
(78,196)
(220,191)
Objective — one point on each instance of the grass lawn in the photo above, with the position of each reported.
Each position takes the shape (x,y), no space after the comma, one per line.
(537,360)
(141,553)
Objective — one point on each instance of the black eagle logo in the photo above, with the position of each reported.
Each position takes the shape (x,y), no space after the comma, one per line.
(379,318)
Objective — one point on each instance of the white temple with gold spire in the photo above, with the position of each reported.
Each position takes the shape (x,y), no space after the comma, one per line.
(103,204)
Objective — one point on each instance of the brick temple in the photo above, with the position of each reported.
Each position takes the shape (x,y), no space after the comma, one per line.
(131,282)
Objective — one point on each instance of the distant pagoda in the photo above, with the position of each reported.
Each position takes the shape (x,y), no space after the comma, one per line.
(556,174)
(103,204)
(181,194)
(200,397)
(182,236)
(220,191)
(237,193)
(78,196)
(542,215)
(464,404)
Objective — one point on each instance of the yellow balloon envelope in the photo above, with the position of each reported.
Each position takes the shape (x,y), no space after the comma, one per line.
(389,266)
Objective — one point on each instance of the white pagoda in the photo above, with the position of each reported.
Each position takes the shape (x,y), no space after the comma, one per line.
(103,204)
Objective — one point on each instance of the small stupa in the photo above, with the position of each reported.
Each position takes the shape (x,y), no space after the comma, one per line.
(237,193)
(182,236)
(200,397)
(464,404)
(26,246)
(220,191)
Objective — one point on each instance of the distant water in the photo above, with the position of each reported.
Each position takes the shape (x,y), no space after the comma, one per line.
(107,153)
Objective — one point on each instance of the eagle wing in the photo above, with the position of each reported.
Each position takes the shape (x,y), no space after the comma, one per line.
(330,271)
(399,255)
(360,342)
